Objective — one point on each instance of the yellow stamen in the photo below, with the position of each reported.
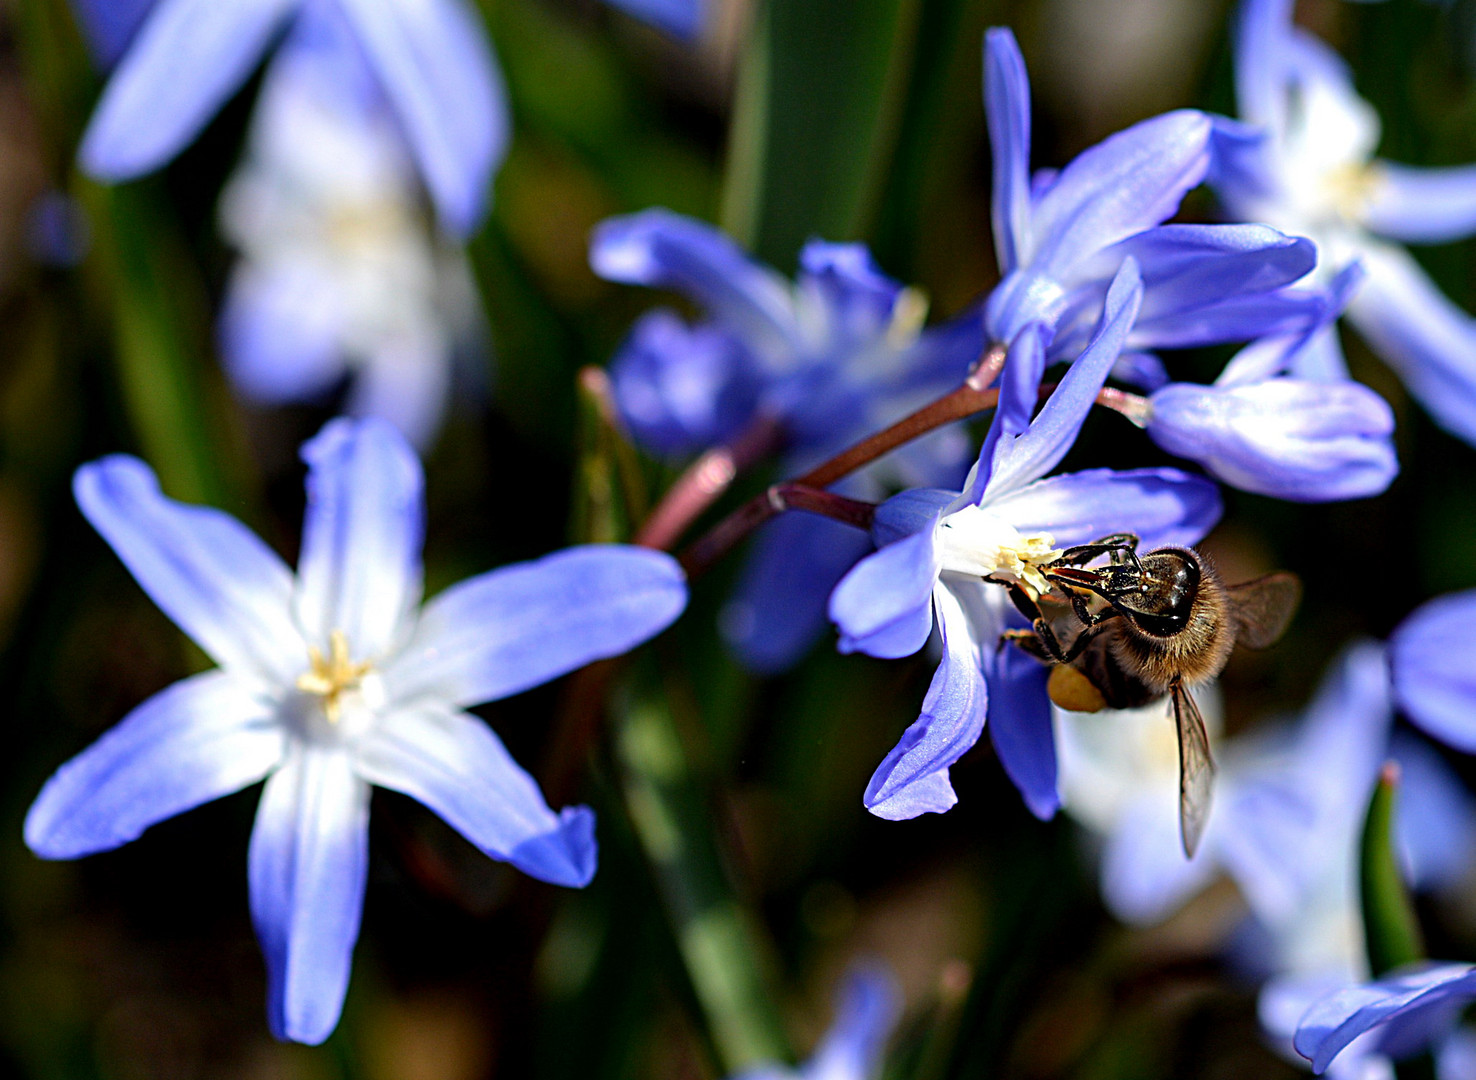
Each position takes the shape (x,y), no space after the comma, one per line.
(332,676)
(909,312)
(1353,188)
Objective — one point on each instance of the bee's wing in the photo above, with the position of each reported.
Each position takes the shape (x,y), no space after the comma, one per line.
(1264,607)
(1196,768)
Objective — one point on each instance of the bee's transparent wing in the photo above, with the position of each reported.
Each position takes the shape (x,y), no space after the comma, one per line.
(1264,607)
(1196,768)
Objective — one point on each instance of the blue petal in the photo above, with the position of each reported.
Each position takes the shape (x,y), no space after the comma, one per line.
(778,610)
(858,299)
(1336,1020)
(201,738)
(1260,62)
(437,69)
(1345,732)
(1020,727)
(913,778)
(908,512)
(1193,273)
(109,25)
(360,567)
(455,765)
(279,340)
(510,629)
(1267,822)
(1143,370)
(307,865)
(1019,393)
(1165,507)
(1433,658)
(1020,460)
(1145,877)
(1007,106)
(1436,823)
(405,383)
(867,1009)
(206,571)
(185,61)
(669,251)
(681,389)
(1240,170)
(680,18)
(1425,338)
(1287,438)
(1128,182)
(1421,206)
(884,606)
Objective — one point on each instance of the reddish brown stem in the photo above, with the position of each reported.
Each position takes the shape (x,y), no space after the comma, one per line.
(704,481)
(772,502)
(974,396)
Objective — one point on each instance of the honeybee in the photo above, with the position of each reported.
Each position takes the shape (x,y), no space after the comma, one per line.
(1168,624)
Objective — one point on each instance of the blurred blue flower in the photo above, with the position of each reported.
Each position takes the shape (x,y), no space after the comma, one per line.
(340,272)
(1291,799)
(1061,237)
(867,1008)
(829,359)
(1290,806)
(334,681)
(187,57)
(1303,161)
(1404,1013)
(1433,655)
(1283,419)
(179,61)
(937,546)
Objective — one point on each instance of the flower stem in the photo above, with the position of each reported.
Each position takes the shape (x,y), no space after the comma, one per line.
(970,398)
(770,503)
(973,396)
(704,481)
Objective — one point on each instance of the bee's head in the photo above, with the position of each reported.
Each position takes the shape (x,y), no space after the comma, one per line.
(1156,596)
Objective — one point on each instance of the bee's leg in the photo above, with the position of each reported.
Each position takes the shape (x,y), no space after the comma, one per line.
(1047,645)
(1079,605)
(1026,641)
(1029,607)
(1117,546)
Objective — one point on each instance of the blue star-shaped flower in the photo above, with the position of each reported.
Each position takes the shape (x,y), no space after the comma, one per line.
(334,681)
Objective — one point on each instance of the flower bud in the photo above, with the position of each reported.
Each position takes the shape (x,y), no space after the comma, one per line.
(1288,438)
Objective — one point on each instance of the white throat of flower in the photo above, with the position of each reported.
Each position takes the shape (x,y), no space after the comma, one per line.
(977,543)
(335,676)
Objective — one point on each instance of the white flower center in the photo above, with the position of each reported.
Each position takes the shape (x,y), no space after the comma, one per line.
(347,690)
(977,543)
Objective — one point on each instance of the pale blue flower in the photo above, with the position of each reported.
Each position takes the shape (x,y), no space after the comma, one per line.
(335,680)
(340,272)
(1304,161)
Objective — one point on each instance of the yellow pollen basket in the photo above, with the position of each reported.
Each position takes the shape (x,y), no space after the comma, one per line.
(332,676)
